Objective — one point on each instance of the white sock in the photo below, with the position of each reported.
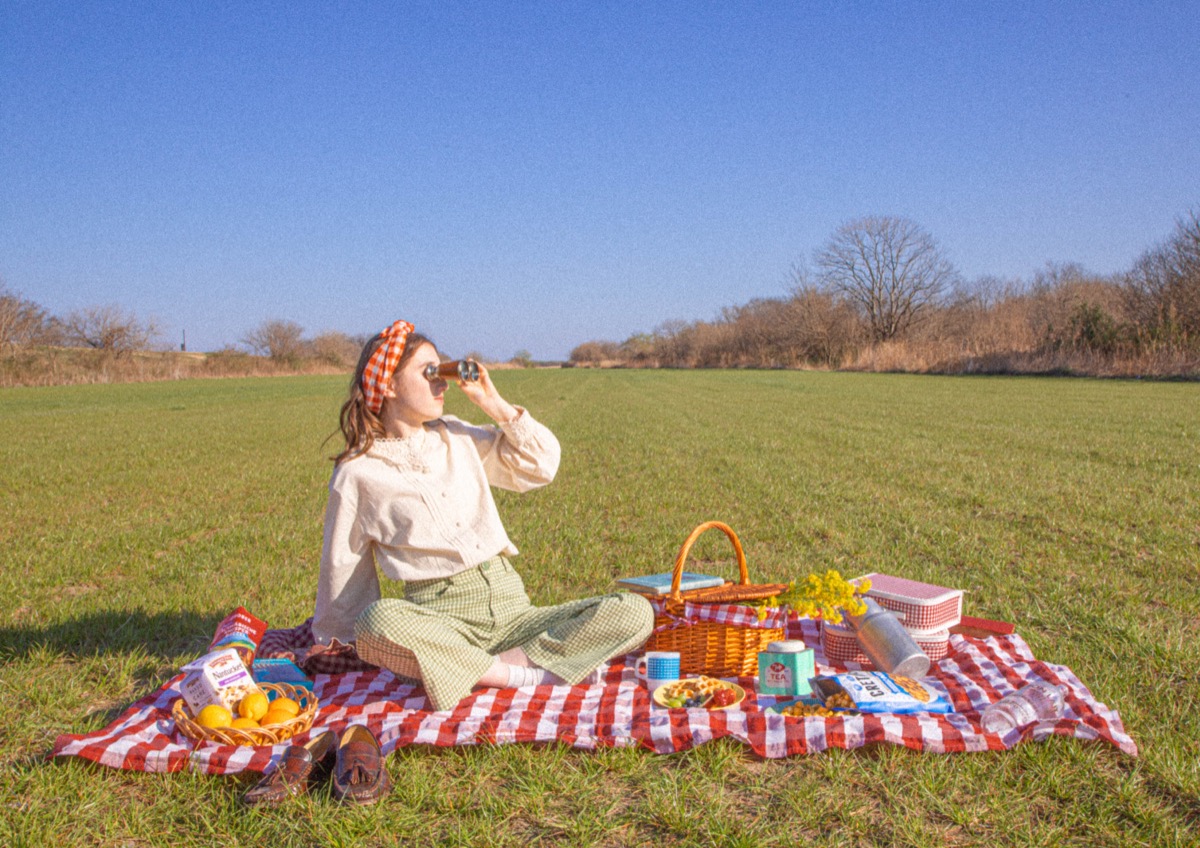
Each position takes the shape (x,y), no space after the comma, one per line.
(533,676)
(519,675)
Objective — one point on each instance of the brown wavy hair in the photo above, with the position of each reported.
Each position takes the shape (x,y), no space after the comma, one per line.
(359,425)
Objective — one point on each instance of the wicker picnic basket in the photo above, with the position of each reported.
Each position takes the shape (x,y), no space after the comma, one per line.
(714,648)
(272,734)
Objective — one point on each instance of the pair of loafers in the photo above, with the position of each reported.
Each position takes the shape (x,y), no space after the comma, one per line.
(354,759)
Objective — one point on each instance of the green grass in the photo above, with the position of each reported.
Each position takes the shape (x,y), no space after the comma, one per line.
(133,517)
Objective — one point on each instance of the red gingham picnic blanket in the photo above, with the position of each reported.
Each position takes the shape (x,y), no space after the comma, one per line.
(616,712)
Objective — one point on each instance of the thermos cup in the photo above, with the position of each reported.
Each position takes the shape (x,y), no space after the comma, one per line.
(887,644)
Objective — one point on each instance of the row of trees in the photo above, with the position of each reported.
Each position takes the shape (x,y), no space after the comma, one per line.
(111,329)
(883,284)
(24,323)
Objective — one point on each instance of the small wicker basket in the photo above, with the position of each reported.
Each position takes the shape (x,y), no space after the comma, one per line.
(271,734)
(708,647)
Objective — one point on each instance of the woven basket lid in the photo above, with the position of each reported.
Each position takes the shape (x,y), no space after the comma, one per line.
(728,593)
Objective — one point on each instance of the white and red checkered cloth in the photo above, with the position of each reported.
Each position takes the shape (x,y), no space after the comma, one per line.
(617,712)
(735,615)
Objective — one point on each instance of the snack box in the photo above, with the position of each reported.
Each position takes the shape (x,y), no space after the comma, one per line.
(218,678)
(923,607)
(280,671)
(841,644)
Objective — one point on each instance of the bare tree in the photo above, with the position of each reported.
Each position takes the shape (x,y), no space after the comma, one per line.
(1163,288)
(595,352)
(22,322)
(281,340)
(889,267)
(335,348)
(109,328)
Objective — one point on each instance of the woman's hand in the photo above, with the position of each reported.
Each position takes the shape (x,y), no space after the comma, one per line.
(483,393)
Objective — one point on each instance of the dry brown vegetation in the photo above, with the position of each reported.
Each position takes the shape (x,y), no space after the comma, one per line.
(52,366)
(884,299)
(1144,322)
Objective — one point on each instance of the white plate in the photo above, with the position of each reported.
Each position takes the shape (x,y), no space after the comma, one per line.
(738,692)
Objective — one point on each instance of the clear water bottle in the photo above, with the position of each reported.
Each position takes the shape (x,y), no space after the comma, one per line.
(1039,701)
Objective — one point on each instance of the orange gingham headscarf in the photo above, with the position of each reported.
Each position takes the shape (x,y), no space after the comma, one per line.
(382,363)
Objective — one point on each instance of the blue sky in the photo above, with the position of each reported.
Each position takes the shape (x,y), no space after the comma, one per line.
(532,175)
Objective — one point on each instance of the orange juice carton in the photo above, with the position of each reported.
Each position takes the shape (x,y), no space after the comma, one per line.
(217,678)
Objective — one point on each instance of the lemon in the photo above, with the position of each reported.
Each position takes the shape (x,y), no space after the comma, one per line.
(253,706)
(276,717)
(244,723)
(214,716)
(286,705)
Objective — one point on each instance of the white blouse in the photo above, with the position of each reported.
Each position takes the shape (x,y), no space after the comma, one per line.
(421,508)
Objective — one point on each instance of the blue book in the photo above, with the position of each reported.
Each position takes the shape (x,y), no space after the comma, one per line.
(660,584)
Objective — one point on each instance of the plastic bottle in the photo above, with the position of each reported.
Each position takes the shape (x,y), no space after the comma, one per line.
(1039,701)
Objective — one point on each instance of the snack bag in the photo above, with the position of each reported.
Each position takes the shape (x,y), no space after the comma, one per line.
(242,632)
(877,692)
(217,678)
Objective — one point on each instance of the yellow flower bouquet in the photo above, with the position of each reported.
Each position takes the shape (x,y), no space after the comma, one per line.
(827,596)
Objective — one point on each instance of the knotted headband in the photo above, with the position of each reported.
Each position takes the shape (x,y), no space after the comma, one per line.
(382,363)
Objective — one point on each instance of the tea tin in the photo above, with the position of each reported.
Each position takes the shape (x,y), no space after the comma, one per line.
(784,669)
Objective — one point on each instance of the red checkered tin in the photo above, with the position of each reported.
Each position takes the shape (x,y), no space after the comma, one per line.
(840,644)
(925,609)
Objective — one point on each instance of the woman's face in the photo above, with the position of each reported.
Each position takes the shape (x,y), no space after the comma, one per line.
(415,399)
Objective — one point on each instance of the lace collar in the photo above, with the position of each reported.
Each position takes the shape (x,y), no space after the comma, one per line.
(402,453)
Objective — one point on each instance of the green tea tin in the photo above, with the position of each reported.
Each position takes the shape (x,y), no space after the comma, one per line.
(784,669)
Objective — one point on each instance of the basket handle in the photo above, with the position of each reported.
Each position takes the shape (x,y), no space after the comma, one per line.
(686,548)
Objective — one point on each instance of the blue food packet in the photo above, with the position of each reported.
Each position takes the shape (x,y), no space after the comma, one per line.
(280,671)
(878,692)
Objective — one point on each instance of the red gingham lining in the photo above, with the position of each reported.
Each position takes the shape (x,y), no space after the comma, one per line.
(736,615)
(616,713)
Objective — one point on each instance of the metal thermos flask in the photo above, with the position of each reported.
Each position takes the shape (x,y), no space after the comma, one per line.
(887,644)
(460,369)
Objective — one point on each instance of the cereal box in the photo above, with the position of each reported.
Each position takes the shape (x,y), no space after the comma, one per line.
(217,678)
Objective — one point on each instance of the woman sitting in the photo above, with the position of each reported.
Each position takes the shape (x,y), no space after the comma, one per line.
(411,495)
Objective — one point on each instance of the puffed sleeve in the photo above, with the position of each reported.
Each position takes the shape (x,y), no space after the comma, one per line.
(347,583)
(517,455)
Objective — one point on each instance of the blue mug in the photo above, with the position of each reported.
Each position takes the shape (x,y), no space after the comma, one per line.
(658,667)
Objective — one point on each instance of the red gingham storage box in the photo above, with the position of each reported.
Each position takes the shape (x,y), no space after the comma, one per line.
(926,608)
(841,644)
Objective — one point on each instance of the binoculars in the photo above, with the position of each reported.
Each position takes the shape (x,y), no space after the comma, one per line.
(460,369)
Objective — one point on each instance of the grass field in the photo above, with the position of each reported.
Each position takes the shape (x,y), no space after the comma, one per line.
(135,516)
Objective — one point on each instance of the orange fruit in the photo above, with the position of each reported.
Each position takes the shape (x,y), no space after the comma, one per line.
(244,723)
(286,705)
(214,716)
(275,717)
(253,706)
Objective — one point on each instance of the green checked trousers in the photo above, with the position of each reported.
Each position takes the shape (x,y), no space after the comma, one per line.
(445,632)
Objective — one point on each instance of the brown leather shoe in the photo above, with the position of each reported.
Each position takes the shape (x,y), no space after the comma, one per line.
(359,776)
(300,766)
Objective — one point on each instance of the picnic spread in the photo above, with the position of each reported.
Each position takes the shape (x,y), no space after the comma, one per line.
(778,680)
